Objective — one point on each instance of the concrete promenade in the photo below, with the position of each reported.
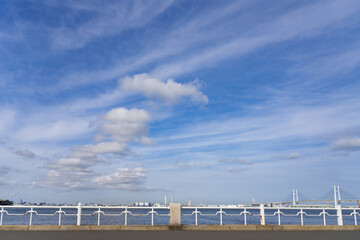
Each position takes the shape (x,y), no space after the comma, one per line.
(208,232)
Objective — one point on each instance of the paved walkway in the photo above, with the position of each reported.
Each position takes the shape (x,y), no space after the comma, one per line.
(179,235)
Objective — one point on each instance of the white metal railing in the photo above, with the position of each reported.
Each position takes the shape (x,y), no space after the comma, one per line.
(276,211)
(97,211)
(262,212)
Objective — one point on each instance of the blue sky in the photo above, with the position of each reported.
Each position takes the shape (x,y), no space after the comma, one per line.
(219,101)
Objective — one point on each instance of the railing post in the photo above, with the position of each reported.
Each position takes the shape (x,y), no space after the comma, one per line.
(245,216)
(278,212)
(60,217)
(355,220)
(196,213)
(175,214)
(2,214)
(99,217)
(339,215)
(262,214)
(31,214)
(152,216)
(324,216)
(125,216)
(302,217)
(221,223)
(79,214)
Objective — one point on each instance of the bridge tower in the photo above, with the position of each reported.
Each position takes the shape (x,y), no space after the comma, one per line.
(295,197)
(337,197)
(337,200)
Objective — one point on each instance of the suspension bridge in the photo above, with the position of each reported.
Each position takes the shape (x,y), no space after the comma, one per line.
(336,200)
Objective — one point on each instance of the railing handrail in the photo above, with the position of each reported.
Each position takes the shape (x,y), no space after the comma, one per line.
(220,211)
(75,207)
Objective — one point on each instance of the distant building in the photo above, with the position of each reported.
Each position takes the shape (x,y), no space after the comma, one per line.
(142,204)
(6,202)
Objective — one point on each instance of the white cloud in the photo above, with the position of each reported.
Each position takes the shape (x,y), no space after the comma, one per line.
(69,173)
(7,117)
(69,164)
(100,148)
(347,144)
(169,91)
(293,155)
(123,125)
(188,165)
(236,170)
(305,21)
(234,161)
(105,19)
(123,178)
(50,131)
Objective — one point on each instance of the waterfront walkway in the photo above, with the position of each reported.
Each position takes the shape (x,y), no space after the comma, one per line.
(179,235)
(208,232)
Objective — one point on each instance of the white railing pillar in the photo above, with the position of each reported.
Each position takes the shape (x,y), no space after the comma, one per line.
(152,216)
(355,220)
(126,211)
(262,214)
(196,217)
(99,217)
(79,214)
(31,215)
(2,214)
(245,216)
(278,212)
(324,216)
(221,222)
(59,217)
(339,215)
(302,217)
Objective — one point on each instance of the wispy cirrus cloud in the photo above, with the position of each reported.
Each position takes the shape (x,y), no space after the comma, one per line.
(234,161)
(105,20)
(306,22)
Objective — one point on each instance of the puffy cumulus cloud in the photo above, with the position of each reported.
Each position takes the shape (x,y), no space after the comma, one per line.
(124,125)
(124,178)
(118,128)
(69,173)
(347,144)
(25,153)
(170,91)
(234,161)
(69,180)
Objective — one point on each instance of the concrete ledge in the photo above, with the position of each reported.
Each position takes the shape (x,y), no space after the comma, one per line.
(178,228)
